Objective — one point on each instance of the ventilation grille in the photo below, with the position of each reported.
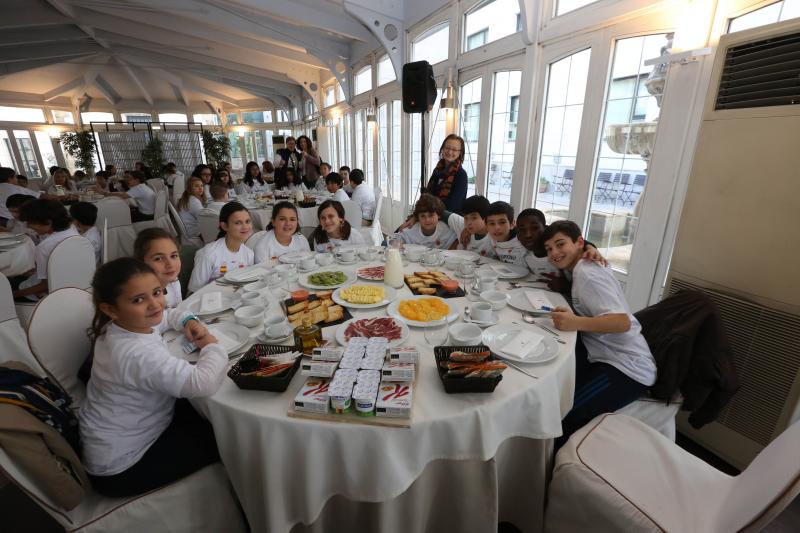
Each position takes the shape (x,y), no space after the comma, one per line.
(761,74)
(766,356)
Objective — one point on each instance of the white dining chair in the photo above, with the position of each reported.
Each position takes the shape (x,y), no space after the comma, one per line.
(12,336)
(194,242)
(104,231)
(618,474)
(120,232)
(160,214)
(58,339)
(178,186)
(71,264)
(157,184)
(208,220)
(202,501)
(254,239)
(657,414)
(352,213)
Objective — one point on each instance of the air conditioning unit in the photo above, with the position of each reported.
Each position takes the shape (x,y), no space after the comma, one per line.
(278,142)
(737,239)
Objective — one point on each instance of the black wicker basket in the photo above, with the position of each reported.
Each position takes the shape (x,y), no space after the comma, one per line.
(277,383)
(460,384)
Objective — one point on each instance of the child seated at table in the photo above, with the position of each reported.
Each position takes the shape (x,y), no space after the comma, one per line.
(219,197)
(15,225)
(429,230)
(344,172)
(292,181)
(101,185)
(616,366)
(224,179)
(228,252)
(471,228)
(144,196)
(135,436)
(283,234)
(500,226)
(364,196)
(334,183)
(62,184)
(159,250)
(84,216)
(50,220)
(191,202)
(333,230)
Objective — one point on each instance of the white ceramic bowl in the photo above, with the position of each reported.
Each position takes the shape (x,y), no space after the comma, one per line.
(497,299)
(249,315)
(256,286)
(452,263)
(465,334)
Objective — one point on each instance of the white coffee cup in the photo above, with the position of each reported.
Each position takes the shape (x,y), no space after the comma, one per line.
(252,298)
(324,259)
(413,255)
(487,283)
(368,254)
(309,263)
(346,255)
(278,330)
(467,268)
(481,311)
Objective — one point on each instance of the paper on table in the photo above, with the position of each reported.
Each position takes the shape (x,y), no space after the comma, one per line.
(211,301)
(226,342)
(521,344)
(538,300)
(501,270)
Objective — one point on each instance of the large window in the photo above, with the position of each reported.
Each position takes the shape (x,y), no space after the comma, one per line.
(558,146)
(206,119)
(385,70)
(257,117)
(95,116)
(339,93)
(438,117)
(30,166)
(436,125)
(136,117)
(783,10)
(363,80)
(21,114)
(348,139)
(490,21)
(237,158)
(45,145)
(470,128)
(330,96)
(283,116)
(369,146)
(397,176)
(359,140)
(232,119)
(172,117)
(629,128)
(6,153)
(501,150)
(432,45)
(565,6)
(63,117)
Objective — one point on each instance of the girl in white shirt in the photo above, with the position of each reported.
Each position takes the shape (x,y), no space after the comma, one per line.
(333,230)
(283,236)
(224,178)
(135,436)
(158,249)
(228,252)
(190,204)
(61,179)
(204,173)
(429,230)
(253,181)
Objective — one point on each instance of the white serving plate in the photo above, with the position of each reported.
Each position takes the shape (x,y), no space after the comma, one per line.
(229,301)
(497,336)
(389,295)
(234,331)
(393,311)
(247,274)
(295,257)
(518,300)
(504,270)
(303,280)
(404,333)
(463,255)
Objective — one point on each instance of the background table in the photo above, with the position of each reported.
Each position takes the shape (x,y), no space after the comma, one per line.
(17,260)
(289,471)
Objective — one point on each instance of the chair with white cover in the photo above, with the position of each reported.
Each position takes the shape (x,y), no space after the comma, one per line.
(195,242)
(254,239)
(120,232)
(372,233)
(12,336)
(71,264)
(157,184)
(618,474)
(104,232)
(208,220)
(160,215)
(352,213)
(178,186)
(58,339)
(657,414)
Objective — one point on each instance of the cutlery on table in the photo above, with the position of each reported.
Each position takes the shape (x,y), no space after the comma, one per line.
(531,319)
(519,369)
(555,338)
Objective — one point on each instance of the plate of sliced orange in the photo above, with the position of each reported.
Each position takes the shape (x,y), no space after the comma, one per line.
(422,311)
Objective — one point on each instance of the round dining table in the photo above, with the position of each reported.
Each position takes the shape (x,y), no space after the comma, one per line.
(16,256)
(467,462)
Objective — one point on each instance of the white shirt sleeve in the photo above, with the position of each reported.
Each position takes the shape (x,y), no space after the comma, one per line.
(207,374)
(456,223)
(599,292)
(201,274)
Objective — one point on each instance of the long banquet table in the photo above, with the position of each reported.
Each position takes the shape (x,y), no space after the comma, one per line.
(467,462)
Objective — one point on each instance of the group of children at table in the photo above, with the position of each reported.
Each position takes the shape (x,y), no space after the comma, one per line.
(135,435)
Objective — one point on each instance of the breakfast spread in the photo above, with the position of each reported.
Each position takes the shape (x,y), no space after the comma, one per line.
(373,273)
(327,279)
(319,307)
(433,282)
(362,294)
(424,309)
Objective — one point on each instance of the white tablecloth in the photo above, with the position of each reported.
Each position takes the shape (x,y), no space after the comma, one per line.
(17,260)
(286,469)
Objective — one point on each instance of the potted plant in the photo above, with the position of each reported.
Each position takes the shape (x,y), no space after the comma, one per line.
(217,147)
(544,184)
(153,156)
(81,146)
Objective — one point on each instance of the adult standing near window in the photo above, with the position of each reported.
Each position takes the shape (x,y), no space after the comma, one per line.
(448,182)
(309,162)
(288,157)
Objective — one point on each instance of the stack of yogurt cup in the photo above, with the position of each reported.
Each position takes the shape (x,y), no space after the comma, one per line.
(354,353)
(341,388)
(365,391)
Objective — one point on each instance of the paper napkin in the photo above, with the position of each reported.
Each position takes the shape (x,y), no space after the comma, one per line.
(538,299)
(210,302)
(521,344)
(225,341)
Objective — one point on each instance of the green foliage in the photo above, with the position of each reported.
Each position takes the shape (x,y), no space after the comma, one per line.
(81,146)
(153,156)
(217,147)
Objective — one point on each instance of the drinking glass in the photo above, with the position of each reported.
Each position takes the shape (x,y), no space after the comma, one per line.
(467,269)
(436,335)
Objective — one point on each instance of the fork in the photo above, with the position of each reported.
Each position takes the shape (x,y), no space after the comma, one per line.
(519,369)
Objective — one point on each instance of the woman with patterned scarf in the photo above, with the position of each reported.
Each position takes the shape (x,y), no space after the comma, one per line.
(448,182)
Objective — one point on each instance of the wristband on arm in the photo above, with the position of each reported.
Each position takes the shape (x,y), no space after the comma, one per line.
(188,319)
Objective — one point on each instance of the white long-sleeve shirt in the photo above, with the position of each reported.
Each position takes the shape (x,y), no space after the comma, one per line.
(364,196)
(215,259)
(269,248)
(131,395)
(189,216)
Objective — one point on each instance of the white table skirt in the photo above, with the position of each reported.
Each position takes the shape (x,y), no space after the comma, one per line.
(285,469)
(19,259)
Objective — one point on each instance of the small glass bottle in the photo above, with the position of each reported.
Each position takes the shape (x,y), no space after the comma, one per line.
(308,336)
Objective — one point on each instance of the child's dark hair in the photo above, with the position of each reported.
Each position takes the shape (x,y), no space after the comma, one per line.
(142,243)
(357,176)
(16,200)
(107,285)
(218,190)
(21,178)
(476,204)
(344,167)
(501,208)
(84,212)
(250,180)
(325,164)
(319,236)
(567,227)
(428,203)
(6,174)
(530,212)
(334,177)
(225,214)
(41,211)
(276,211)
(138,175)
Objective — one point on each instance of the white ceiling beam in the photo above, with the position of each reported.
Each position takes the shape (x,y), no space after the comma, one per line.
(385,19)
(58,91)
(9,54)
(91,73)
(106,90)
(213,94)
(25,14)
(68,11)
(180,94)
(136,80)
(24,36)
(7,69)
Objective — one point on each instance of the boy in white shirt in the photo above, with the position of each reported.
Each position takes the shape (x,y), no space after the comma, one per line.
(324,171)
(364,196)
(8,186)
(615,366)
(144,196)
(219,197)
(429,230)
(344,172)
(334,182)
(500,225)
(15,225)
(471,228)
(84,217)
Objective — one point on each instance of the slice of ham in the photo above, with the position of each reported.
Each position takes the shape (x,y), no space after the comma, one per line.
(374,327)
(372,273)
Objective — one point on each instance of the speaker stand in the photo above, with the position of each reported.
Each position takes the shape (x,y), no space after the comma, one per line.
(422,153)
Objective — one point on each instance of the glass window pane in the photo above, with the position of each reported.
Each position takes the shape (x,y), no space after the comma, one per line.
(470,128)
(416,159)
(95,116)
(385,70)
(270,154)
(438,118)
(759,17)
(330,96)
(63,117)
(6,153)
(563,110)
(502,136)
(565,6)
(282,115)
(629,128)
(236,150)
(396,155)
(256,117)
(432,46)
(136,117)
(348,149)
(358,162)
(369,145)
(490,21)
(339,93)
(206,119)
(46,149)
(21,114)
(172,117)
(363,80)
(30,167)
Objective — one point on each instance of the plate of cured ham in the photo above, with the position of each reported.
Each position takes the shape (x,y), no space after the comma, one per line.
(371,273)
(388,327)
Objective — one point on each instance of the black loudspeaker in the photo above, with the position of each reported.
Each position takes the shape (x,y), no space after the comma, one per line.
(419,87)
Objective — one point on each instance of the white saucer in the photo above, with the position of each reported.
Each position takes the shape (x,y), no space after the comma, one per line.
(494,320)
(353,262)
(262,338)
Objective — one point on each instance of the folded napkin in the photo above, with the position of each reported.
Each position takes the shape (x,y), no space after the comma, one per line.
(538,300)
(210,302)
(225,341)
(521,344)
(501,270)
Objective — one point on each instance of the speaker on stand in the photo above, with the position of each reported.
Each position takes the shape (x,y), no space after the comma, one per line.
(419,95)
